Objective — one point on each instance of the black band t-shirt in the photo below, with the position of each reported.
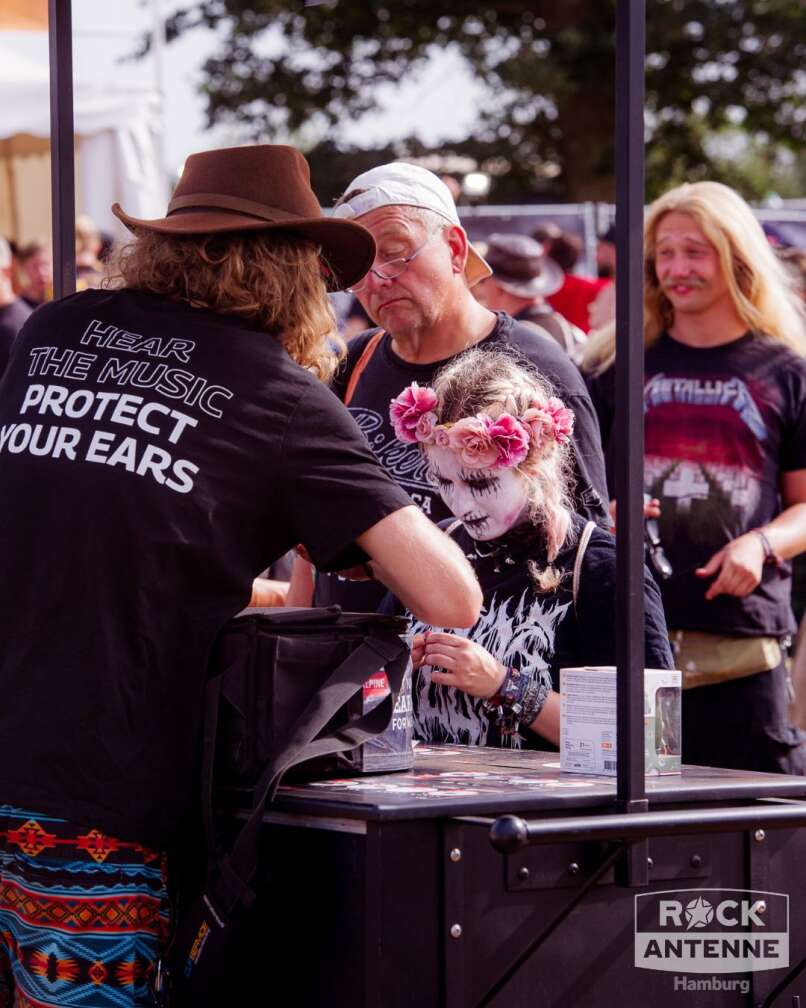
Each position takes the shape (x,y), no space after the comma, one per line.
(385,377)
(721,426)
(154,458)
(536,632)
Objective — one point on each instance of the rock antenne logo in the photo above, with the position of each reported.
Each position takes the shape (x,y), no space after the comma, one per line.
(711,930)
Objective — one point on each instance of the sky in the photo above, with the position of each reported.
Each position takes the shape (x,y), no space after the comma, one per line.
(440,102)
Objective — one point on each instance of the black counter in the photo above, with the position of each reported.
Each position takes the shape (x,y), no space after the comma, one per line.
(385,891)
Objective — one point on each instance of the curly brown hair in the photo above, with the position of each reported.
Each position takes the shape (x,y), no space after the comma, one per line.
(273,280)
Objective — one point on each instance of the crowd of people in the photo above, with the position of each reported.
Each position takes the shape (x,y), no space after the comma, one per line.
(167,434)
(26,276)
(724,447)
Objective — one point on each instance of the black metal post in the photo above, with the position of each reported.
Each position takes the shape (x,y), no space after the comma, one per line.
(629,419)
(62,147)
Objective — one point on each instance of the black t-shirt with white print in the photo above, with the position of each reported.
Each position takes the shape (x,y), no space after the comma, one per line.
(721,426)
(154,458)
(527,629)
(385,377)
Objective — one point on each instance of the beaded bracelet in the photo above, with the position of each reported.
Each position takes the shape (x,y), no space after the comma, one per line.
(519,700)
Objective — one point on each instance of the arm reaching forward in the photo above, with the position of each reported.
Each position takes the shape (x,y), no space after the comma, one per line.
(424,568)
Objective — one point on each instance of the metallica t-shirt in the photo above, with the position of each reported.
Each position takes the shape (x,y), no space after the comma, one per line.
(721,425)
(154,458)
(385,377)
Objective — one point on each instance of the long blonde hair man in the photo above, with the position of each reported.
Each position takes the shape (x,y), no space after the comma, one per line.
(762,291)
(725,454)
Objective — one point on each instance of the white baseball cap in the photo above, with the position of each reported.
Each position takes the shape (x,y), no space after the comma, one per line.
(401,184)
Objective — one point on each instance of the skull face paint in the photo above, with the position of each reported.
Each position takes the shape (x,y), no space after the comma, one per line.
(488,501)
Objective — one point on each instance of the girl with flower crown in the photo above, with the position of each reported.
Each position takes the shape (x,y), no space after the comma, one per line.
(497,444)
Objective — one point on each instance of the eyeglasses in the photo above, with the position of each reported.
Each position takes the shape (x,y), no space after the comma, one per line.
(394,268)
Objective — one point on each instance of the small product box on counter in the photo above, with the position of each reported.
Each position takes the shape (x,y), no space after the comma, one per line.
(588,720)
(392,750)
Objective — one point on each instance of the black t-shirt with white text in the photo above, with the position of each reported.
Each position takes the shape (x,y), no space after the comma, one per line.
(154,458)
(385,377)
(721,426)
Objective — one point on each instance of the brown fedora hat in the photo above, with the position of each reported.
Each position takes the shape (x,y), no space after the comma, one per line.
(266,187)
(520,265)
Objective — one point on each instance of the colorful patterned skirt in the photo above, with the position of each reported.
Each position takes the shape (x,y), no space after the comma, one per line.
(83,915)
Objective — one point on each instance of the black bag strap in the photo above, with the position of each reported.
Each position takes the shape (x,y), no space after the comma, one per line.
(290,616)
(340,688)
(233,873)
(212,705)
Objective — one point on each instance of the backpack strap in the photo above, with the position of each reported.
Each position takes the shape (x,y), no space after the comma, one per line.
(453,526)
(232,879)
(584,539)
(361,363)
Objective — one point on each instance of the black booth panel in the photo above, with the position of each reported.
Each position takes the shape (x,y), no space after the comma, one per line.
(363,920)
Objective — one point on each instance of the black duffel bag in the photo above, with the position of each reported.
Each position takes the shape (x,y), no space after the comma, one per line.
(272,661)
(282,692)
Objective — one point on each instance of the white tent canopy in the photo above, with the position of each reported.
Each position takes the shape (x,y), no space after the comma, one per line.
(116,150)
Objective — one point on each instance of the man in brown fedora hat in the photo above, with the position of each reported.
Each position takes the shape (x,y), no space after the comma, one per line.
(160,444)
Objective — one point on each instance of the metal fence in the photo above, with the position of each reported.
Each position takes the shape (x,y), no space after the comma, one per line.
(588,220)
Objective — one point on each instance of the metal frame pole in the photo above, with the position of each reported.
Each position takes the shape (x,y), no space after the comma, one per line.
(62,146)
(591,236)
(511,833)
(629,419)
(158,46)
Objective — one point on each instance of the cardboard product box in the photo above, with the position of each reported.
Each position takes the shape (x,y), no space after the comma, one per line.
(588,720)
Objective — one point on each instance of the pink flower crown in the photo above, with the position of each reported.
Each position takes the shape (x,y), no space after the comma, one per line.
(481,442)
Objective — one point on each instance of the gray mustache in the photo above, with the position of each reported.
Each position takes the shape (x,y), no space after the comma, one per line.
(688,282)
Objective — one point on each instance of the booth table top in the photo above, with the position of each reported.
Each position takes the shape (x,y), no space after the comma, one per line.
(451,780)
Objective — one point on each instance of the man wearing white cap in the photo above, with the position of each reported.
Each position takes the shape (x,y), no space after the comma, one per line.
(418,292)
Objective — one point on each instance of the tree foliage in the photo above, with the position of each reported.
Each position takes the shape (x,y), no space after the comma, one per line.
(286,70)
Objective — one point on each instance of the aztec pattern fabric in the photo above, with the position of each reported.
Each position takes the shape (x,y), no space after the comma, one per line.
(83,915)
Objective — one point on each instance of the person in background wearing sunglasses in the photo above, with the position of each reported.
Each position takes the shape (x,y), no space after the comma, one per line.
(419,294)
